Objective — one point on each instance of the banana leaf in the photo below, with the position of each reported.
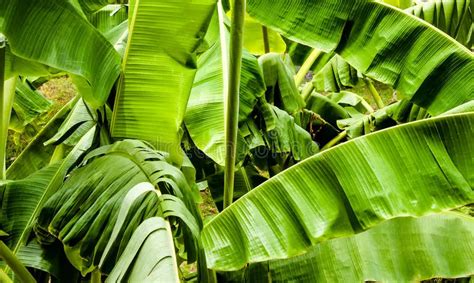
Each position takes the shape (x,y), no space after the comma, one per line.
(149,255)
(90,6)
(46,32)
(85,214)
(205,110)
(402,4)
(335,76)
(283,135)
(454,17)
(36,155)
(108,17)
(28,105)
(18,199)
(159,66)
(400,250)
(464,108)
(415,169)
(22,201)
(79,121)
(382,42)
(254,38)
(279,79)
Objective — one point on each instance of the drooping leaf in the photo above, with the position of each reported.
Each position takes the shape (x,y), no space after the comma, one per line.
(36,155)
(51,260)
(282,135)
(81,119)
(413,169)
(118,37)
(335,76)
(47,32)
(381,42)
(84,212)
(352,102)
(329,110)
(149,255)
(21,209)
(163,40)
(279,79)
(27,106)
(95,5)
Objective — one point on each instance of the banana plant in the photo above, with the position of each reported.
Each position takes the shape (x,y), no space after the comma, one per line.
(346,190)
(405,249)
(85,200)
(355,36)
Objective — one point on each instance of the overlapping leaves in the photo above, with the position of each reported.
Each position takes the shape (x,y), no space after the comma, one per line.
(413,169)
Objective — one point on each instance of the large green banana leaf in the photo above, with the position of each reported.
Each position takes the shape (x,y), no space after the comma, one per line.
(47,32)
(381,42)
(400,250)
(454,17)
(451,16)
(88,216)
(410,170)
(205,110)
(158,70)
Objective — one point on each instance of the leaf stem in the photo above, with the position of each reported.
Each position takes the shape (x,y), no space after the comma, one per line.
(4,277)
(374,92)
(306,66)
(232,103)
(96,276)
(335,140)
(14,263)
(266,42)
(7,92)
(307,90)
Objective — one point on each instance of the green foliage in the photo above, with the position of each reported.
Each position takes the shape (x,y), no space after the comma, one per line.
(162,44)
(346,190)
(356,32)
(318,195)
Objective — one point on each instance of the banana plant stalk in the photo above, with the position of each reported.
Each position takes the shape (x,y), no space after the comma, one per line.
(7,92)
(306,66)
(375,94)
(232,101)
(266,42)
(335,140)
(16,266)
